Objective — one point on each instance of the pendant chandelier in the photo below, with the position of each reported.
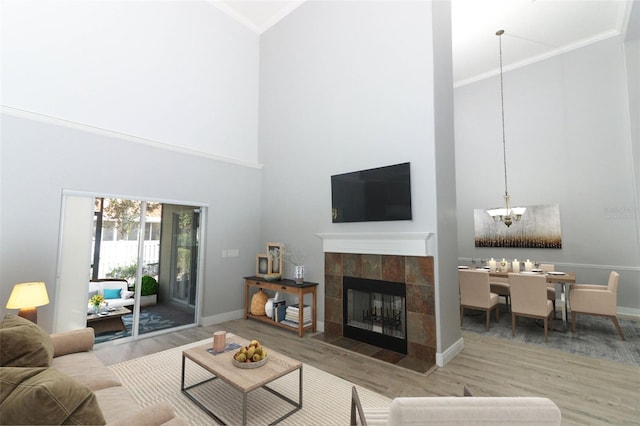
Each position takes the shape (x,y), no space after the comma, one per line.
(507,214)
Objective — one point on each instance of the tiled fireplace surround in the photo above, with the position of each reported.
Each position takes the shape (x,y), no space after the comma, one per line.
(415,271)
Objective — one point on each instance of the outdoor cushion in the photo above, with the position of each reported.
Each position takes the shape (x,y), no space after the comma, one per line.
(112,293)
(23,343)
(32,396)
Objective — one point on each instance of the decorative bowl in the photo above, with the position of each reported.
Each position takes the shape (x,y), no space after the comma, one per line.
(255,364)
(273,277)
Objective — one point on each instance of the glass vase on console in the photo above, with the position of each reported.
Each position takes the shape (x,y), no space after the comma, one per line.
(298,274)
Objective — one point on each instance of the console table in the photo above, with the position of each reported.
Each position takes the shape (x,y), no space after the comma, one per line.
(283,286)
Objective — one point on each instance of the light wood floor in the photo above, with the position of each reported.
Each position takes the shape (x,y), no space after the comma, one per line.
(587,390)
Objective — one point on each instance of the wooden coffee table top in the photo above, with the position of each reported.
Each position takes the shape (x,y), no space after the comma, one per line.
(244,380)
(117,313)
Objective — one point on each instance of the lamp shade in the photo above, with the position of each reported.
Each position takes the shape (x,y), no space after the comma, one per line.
(28,295)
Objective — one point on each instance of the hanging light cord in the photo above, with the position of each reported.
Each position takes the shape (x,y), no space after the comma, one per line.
(504,145)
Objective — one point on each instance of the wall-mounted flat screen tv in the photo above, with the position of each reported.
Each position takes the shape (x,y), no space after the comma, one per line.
(379,194)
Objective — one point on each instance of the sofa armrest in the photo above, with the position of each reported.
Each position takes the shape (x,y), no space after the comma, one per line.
(70,342)
(476,410)
(588,287)
(157,414)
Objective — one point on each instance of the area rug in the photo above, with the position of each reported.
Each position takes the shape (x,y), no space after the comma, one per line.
(156,378)
(149,321)
(595,336)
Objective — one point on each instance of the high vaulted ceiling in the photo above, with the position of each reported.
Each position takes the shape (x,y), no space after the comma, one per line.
(534,29)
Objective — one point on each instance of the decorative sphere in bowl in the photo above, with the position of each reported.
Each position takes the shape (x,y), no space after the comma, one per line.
(273,277)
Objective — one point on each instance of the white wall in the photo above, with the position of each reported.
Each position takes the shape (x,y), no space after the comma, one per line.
(39,160)
(176,72)
(337,97)
(632,59)
(568,142)
(446,271)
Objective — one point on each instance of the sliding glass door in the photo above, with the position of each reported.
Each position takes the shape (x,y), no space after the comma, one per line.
(143,261)
(184,256)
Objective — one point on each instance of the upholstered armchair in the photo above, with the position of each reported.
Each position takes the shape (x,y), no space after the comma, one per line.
(475,294)
(551,289)
(500,286)
(594,299)
(529,299)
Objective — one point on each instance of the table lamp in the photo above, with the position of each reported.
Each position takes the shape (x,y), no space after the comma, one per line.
(27,297)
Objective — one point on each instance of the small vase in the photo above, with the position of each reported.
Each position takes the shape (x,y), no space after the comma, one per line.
(298,274)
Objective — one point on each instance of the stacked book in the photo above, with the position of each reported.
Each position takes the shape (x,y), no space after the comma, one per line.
(279,310)
(292,316)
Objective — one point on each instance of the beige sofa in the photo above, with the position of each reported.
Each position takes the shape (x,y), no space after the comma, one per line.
(57,379)
(451,410)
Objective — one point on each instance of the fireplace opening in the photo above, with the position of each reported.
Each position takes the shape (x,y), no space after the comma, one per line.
(375,312)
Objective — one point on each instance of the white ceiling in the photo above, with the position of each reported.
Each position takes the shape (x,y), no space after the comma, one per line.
(534,29)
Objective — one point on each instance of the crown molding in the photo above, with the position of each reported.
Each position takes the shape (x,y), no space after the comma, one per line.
(44,118)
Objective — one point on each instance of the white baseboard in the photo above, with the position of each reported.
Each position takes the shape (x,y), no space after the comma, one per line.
(217,319)
(442,358)
(628,312)
(239,314)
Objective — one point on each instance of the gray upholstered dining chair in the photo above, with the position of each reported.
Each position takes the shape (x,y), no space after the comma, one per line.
(500,286)
(551,288)
(529,299)
(475,294)
(594,299)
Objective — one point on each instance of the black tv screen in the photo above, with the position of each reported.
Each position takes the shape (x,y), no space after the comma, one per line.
(379,194)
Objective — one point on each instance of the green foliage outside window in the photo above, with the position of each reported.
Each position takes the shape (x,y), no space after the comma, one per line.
(149,286)
(126,272)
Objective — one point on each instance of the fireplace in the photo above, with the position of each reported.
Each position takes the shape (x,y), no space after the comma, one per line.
(374,312)
(412,274)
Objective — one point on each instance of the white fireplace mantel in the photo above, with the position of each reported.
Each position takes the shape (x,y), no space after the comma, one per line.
(389,243)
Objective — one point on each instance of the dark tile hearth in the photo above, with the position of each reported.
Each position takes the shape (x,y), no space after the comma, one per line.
(414,364)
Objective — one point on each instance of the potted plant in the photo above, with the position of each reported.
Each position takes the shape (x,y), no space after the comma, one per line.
(148,291)
(96,302)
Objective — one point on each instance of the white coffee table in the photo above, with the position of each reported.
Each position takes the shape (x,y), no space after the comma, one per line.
(244,380)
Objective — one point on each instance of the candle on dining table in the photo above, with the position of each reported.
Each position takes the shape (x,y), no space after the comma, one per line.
(528,265)
(504,265)
(492,264)
(515,266)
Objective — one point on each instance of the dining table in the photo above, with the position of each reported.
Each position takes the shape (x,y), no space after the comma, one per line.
(564,279)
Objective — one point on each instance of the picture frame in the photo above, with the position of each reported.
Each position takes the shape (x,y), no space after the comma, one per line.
(539,228)
(262,265)
(275,252)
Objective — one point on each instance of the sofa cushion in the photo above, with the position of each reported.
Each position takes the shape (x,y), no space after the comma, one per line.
(23,343)
(117,405)
(87,369)
(112,293)
(45,396)
(156,414)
